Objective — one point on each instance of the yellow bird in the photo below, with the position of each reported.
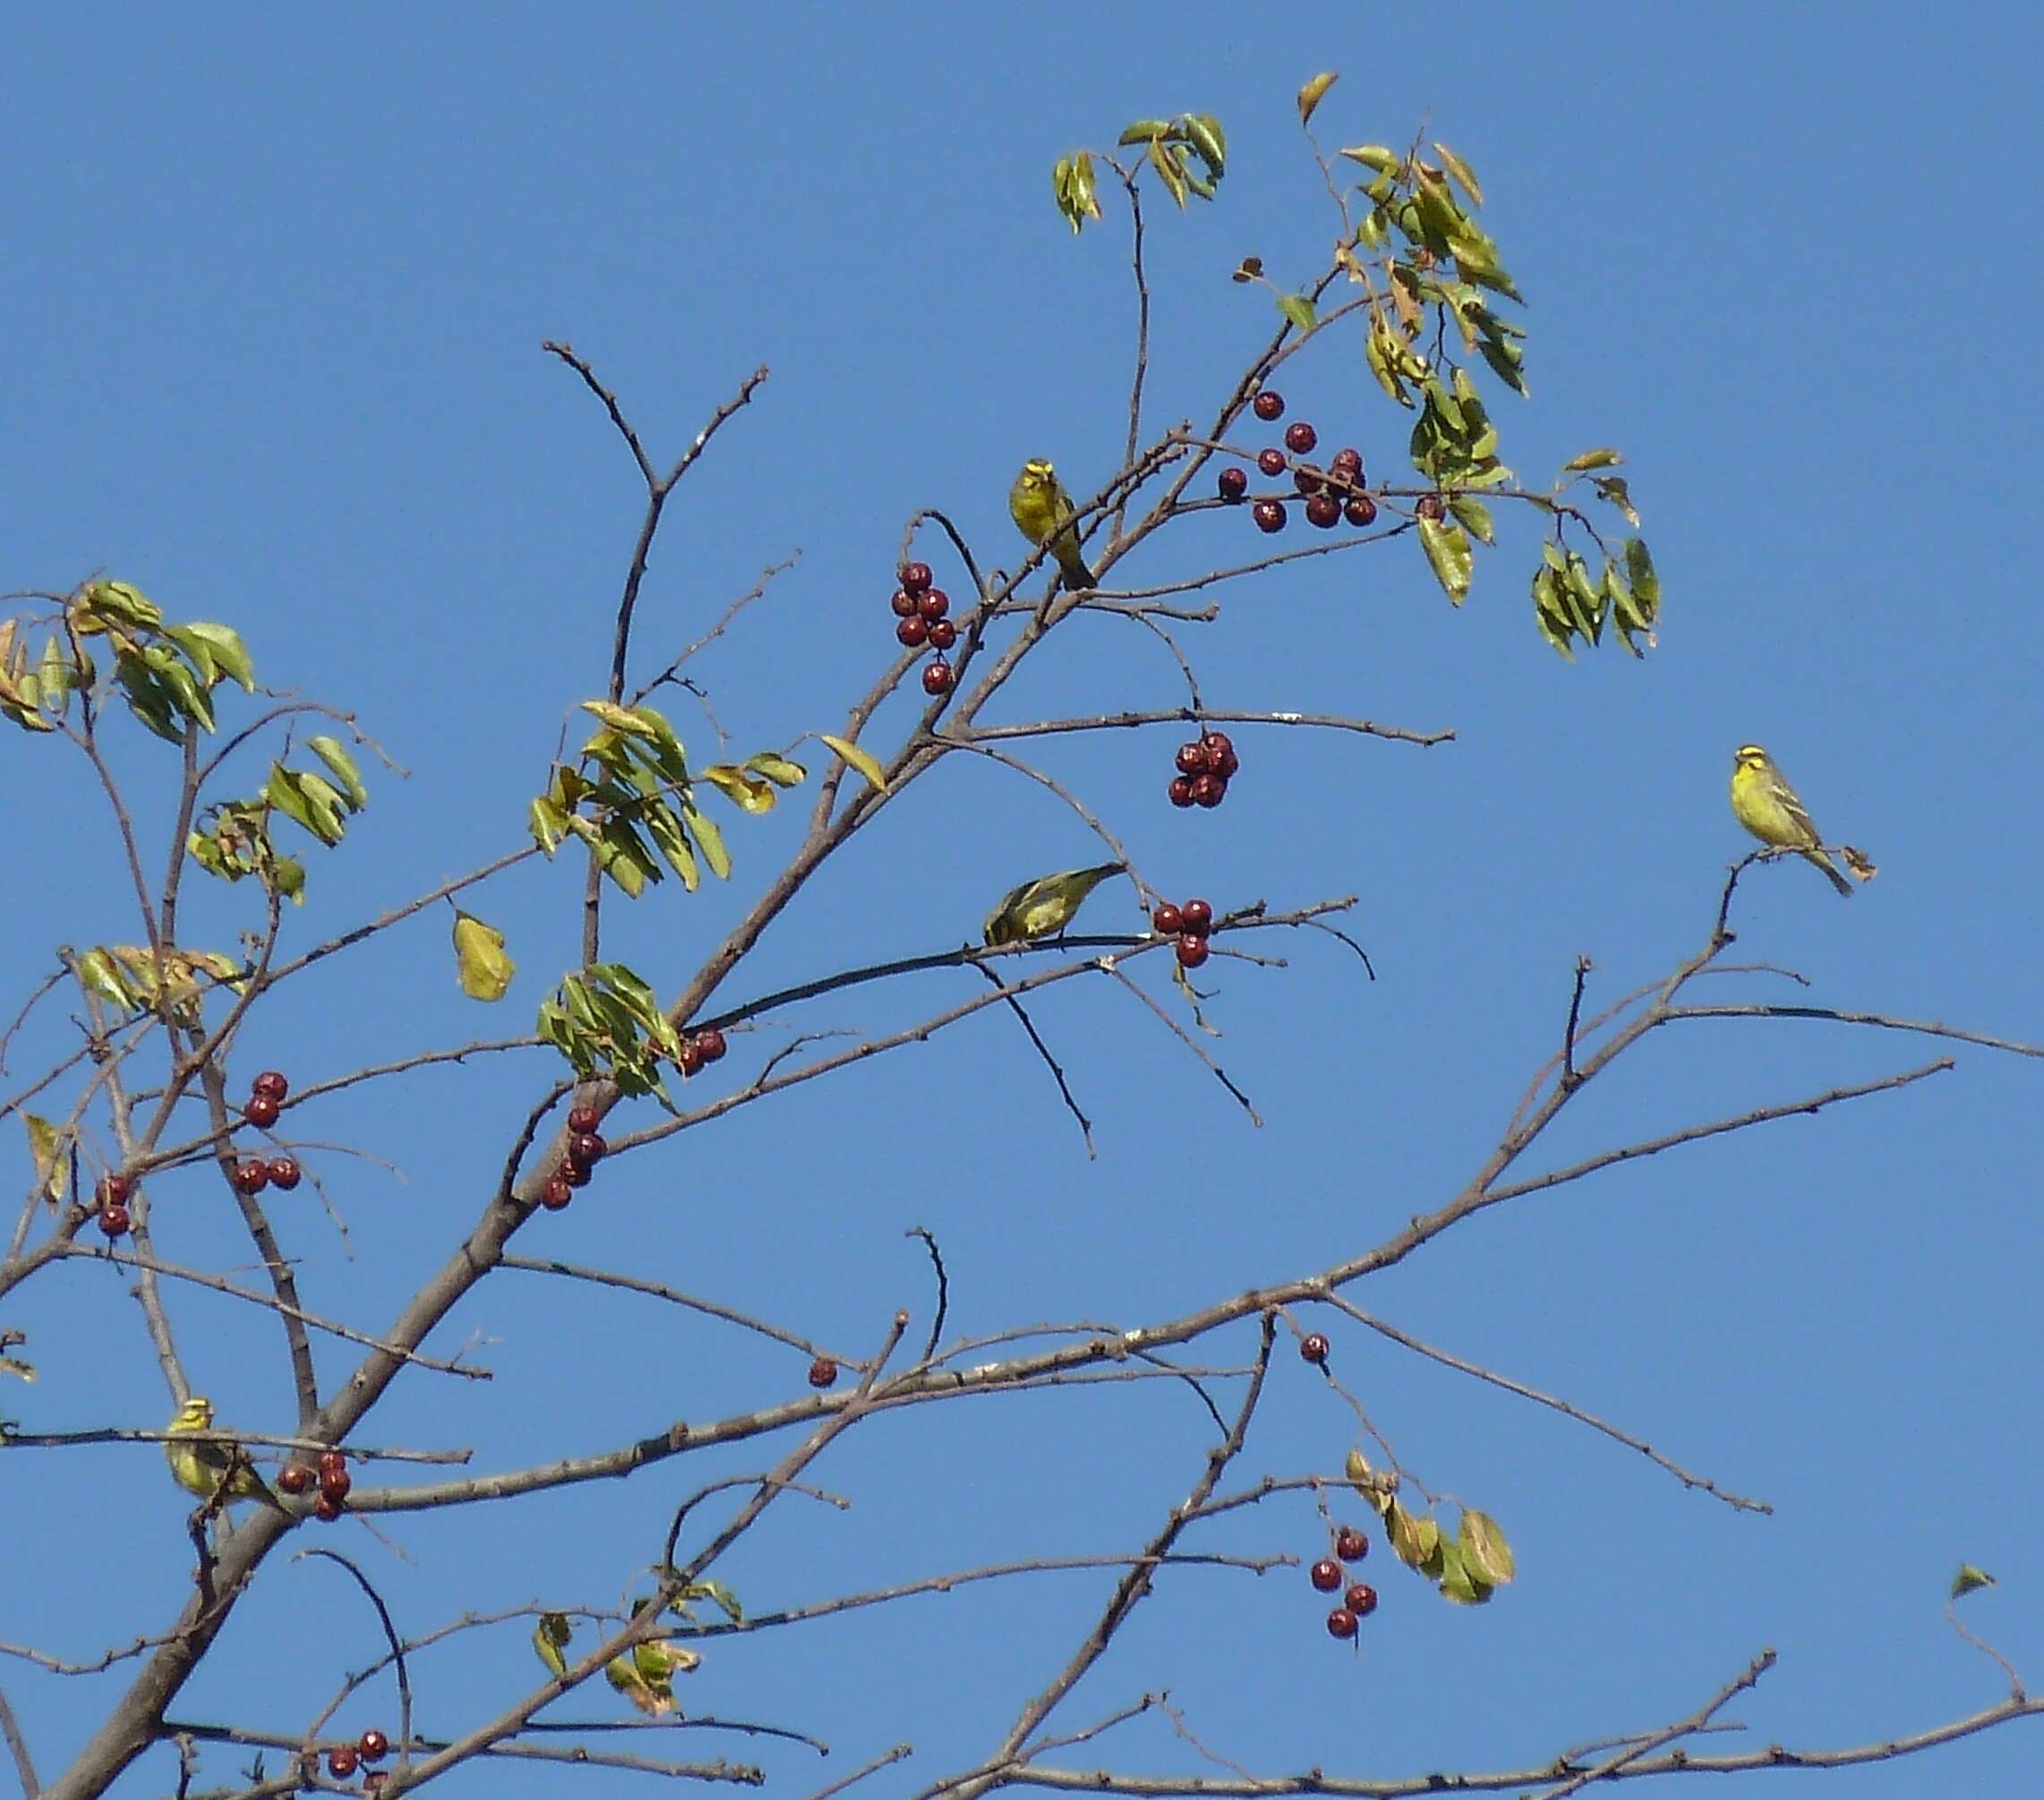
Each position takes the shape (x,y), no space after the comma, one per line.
(1767,806)
(201,1458)
(1039,506)
(1044,906)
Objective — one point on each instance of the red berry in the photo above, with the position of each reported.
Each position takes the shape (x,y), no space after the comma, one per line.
(283,1172)
(556,1194)
(326,1509)
(1220,754)
(1209,790)
(253,1176)
(115,1190)
(1181,791)
(332,1462)
(261,1112)
(1341,1623)
(1430,506)
(270,1083)
(1199,917)
(1324,511)
(710,1041)
(583,1119)
(335,1486)
(587,1149)
(1234,483)
(293,1478)
(690,1059)
(823,1373)
(341,1762)
(1300,437)
(373,1745)
(1327,1574)
(114,1219)
(1191,758)
(937,676)
(915,576)
(1361,510)
(1360,1600)
(912,632)
(1168,920)
(1269,514)
(1307,479)
(1350,1545)
(576,1174)
(1192,950)
(1348,458)
(934,604)
(1314,1349)
(904,603)
(1269,406)
(942,635)
(1271,462)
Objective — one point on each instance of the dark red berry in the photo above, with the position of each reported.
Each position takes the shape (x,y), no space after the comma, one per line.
(1269,406)
(1234,483)
(1271,462)
(1300,437)
(1191,758)
(335,1486)
(373,1745)
(1221,746)
(1360,1600)
(115,1190)
(332,1462)
(556,1194)
(587,1149)
(283,1172)
(1209,790)
(934,604)
(1199,917)
(114,1220)
(583,1119)
(1192,950)
(1341,1623)
(576,1174)
(904,603)
(1430,506)
(710,1041)
(1181,791)
(253,1176)
(293,1478)
(1314,1348)
(1350,1545)
(1168,920)
(1324,511)
(270,1083)
(341,1762)
(1307,479)
(1327,1574)
(942,635)
(690,1059)
(261,1112)
(937,676)
(1347,457)
(823,1373)
(326,1509)
(1361,510)
(915,576)
(912,632)
(1269,514)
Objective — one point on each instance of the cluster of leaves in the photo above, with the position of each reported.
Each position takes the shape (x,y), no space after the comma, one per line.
(167,981)
(1467,1568)
(645,1674)
(608,1022)
(1568,603)
(232,838)
(1189,154)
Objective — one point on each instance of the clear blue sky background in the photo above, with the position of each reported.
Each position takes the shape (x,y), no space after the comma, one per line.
(274,300)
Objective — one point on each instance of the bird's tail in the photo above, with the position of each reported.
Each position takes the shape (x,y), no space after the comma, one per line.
(1831,872)
(1064,547)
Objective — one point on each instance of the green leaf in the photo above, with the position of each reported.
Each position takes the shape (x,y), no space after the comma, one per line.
(1968,1579)
(1414,1539)
(1505,359)
(1210,143)
(1313,93)
(1484,1551)
(292,795)
(1587,598)
(1143,131)
(1375,231)
(1465,177)
(229,654)
(1549,614)
(196,653)
(480,967)
(1646,582)
(1381,157)
(1297,309)
(99,973)
(665,830)
(1448,554)
(330,752)
(1591,460)
(710,840)
(1612,491)
(1384,350)
(547,822)
(777,769)
(1457,1581)
(1475,518)
(110,604)
(1166,162)
(744,791)
(46,1143)
(858,759)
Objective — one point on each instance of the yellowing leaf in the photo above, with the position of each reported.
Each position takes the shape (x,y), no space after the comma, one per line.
(1461,170)
(858,759)
(1313,93)
(1298,311)
(53,1174)
(1484,1551)
(741,790)
(1591,460)
(481,966)
(781,770)
(710,840)
(1447,552)
(341,765)
(1381,157)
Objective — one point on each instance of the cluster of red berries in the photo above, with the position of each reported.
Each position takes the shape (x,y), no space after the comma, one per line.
(1190,925)
(920,618)
(344,1759)
(823,1373)
(112,1197)
(1358,1599)
(295,1477)
(586,1148)
(1332,494)
(252,1174)
(699,1048)
(1204,767)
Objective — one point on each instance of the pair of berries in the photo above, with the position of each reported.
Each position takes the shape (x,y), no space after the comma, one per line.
(266,1099)
(1204,767)
(699,1048)
(919,618)
(1190,925)
(585,1150)
(344,1759)
(334,1480)
(252,1175)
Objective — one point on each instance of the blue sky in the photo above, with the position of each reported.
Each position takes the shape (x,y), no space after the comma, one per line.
(276,302)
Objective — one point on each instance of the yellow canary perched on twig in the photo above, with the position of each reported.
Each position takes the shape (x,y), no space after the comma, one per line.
(1039,506)
(201,1458)
(1044,906)
(1768,807)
